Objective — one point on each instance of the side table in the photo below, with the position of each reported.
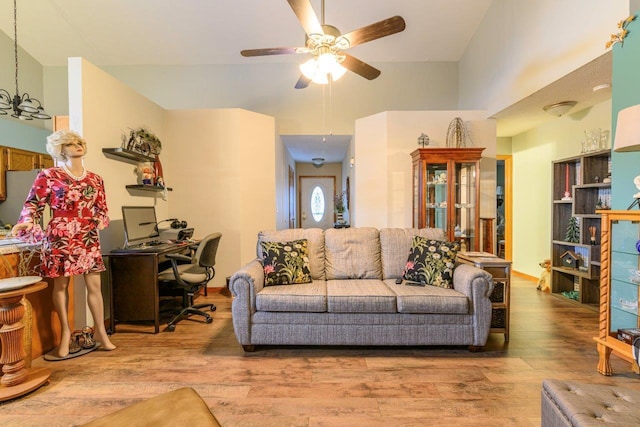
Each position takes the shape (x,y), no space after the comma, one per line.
(17,379)
(500,269)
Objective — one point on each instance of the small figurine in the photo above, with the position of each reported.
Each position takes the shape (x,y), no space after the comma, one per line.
(146,173)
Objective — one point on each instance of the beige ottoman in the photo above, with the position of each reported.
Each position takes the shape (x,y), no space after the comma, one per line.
(568,404)
(181,407)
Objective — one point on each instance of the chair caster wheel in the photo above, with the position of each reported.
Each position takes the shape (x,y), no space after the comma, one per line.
(212,308)
(208,319)
(171,328)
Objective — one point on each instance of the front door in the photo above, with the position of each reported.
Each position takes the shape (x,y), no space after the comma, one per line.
(316,201)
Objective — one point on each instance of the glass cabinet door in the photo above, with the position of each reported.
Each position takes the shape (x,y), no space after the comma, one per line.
(436,195)
(625,276)
(465,204)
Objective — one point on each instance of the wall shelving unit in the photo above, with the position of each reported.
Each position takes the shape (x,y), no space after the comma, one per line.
(587,179)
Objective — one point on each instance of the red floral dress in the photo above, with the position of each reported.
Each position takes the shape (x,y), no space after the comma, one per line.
(71,244)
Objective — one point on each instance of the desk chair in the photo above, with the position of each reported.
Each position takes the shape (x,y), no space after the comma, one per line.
(192,275)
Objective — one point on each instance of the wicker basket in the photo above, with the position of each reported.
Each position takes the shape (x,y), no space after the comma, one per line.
(498,292)
(499,318)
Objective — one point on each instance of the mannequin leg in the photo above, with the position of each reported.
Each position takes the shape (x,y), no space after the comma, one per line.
(96,305)
(61,305)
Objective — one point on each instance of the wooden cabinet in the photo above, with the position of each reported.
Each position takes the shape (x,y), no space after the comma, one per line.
(619,286)
(581,185)
(15,159)
(446,192)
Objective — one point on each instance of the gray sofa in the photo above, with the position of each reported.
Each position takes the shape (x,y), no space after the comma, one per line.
(354,299)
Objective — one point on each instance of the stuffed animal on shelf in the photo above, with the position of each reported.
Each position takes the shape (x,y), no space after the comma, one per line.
(544,283)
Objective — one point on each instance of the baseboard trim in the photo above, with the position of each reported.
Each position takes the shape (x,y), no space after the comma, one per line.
(524,276)
(219,290)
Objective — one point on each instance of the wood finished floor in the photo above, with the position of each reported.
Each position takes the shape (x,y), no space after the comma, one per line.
(334,386)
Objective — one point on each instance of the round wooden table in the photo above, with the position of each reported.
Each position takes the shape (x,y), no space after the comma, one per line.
(17,379)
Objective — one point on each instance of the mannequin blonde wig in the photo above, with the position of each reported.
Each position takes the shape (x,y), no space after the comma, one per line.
(57,140)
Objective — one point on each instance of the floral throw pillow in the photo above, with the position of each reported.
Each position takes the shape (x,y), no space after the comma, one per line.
(286,263)
(431,262)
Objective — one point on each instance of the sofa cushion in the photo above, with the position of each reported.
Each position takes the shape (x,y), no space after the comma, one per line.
(359,296)
(431,262)
(309,297)
(428,299)
(285,263)
(315,239)
(395,244)
(352,253)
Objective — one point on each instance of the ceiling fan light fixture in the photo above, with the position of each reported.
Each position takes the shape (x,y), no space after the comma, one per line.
(560,108)
(319,68)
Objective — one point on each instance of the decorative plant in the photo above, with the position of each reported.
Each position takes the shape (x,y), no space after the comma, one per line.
(573,231)
(338,202)
(619,37)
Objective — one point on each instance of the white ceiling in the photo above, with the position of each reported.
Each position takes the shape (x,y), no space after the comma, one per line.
(187,32)
(198,32)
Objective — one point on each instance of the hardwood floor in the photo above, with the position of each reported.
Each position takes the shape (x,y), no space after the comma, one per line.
(334,386)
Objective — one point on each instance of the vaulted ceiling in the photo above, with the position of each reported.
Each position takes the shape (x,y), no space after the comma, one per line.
(199,32)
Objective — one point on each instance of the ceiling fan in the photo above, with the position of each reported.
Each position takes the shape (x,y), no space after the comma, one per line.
(326,44)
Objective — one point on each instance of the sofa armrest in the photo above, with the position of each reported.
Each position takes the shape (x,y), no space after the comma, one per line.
(477,284)
(244,285)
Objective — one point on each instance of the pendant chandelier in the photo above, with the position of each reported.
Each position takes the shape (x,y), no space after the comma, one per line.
(24,106)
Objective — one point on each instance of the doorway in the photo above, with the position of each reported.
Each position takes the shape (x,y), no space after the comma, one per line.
(316,201)
(504,209)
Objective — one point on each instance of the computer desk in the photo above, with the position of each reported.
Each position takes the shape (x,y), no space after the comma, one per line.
(133,284)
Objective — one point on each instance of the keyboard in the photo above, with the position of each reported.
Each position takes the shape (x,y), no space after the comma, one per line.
(160,247)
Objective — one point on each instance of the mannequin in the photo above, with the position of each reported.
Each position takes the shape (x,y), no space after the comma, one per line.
(71,244)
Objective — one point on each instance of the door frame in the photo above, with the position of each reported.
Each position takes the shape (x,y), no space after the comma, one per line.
(292,201)
(508,204)
(299,201)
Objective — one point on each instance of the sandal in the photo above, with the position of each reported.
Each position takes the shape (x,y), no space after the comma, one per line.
(74,344)
(87,334)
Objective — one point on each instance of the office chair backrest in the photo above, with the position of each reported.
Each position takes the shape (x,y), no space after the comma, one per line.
(206,253)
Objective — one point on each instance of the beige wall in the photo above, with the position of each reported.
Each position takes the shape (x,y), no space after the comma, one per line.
(383,171)
(101,108)
(222,164)
(533,152)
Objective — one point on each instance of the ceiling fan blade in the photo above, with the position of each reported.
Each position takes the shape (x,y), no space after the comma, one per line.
(273,51)
(303,82)
(380,29)
(306,16)
(361,68)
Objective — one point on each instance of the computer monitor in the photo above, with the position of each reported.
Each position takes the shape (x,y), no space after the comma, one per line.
(139,224)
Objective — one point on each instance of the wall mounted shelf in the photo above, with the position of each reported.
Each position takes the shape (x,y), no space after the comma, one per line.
(150,188)
(125,155)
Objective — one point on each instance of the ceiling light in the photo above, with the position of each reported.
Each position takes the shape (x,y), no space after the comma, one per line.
(24,106)
(601,87)
(318,161)
(319,68)
(560,108)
